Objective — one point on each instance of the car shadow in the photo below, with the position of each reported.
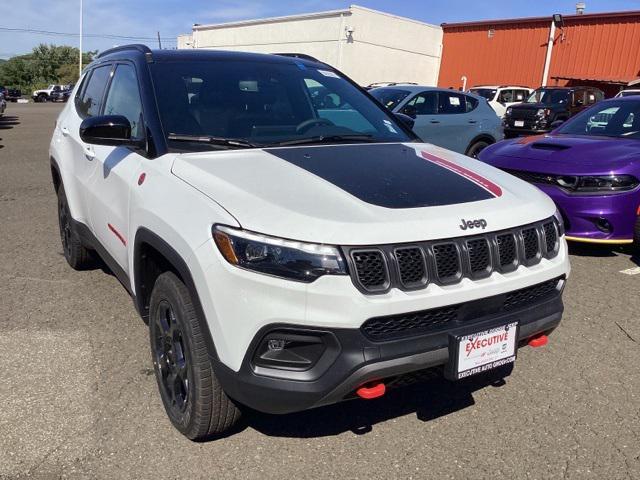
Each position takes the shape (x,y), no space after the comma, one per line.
(8,121)
(113,159)
(594,250)
(430,399)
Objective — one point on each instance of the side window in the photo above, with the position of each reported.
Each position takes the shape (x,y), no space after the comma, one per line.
(578,98)
(88,103)
(124,98)
(506,96)
(451,103)
(425,103)
(472,103)
(520,95)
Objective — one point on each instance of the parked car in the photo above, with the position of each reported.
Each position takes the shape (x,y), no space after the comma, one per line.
(44,95)
(546,107)
(590,166)
(502,96)
(457,121)
(387,84)
(3,104)
(628,92)
(13,94)
(61,95)
(286,255)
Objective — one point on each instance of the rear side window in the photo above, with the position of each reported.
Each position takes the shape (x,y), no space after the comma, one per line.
(452,103)
(124,98)
(89,102)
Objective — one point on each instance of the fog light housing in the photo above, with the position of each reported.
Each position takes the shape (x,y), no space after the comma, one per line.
(293,350)
(604,225)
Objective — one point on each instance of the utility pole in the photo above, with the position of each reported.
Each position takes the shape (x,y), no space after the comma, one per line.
(80,59)
(159,42)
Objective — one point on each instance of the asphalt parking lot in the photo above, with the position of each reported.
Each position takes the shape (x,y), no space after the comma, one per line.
(79,399)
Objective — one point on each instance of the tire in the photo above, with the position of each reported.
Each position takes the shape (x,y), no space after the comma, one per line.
(192,396)
(77,255)
(475,149)
(42,98)
(636,235)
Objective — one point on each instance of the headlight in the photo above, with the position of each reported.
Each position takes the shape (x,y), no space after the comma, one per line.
(289,259)
(509,110)
(598,183)
(543,112)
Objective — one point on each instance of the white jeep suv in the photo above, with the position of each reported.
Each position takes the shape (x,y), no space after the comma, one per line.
(500,97)
(289,241)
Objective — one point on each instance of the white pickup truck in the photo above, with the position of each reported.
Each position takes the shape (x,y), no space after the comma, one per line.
(44,94)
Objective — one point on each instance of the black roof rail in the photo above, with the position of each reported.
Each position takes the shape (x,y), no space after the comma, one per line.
(134,46)
(302,56)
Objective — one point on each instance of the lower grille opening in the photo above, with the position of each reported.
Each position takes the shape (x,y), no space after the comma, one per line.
(393,327)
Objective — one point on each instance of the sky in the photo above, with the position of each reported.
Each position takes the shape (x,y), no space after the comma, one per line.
(144,18)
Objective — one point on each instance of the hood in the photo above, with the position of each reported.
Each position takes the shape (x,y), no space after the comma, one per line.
(361,194)
(563,154)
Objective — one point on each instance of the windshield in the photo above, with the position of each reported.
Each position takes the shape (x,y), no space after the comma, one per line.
(389,97)
(619,119)
(265,103)
(628,93)
(488,93)
(550,96)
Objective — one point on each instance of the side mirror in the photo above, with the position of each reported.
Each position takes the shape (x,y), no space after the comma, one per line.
(556,123)
(111,130)
(406,119)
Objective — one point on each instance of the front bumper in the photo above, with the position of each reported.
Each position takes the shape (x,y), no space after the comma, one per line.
(583,214)
(360,360)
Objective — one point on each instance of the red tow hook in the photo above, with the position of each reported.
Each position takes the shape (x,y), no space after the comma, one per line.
(538,341)
(371,391)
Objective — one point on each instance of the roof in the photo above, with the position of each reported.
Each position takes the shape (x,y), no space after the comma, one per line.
(304,16)
(547,19)
(595,78)
(126,51)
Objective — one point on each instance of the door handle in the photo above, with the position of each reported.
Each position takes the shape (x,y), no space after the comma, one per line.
(89,153)
(65,131)
(473,121)
(434,121)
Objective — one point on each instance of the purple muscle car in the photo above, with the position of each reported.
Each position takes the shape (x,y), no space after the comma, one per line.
(590,166)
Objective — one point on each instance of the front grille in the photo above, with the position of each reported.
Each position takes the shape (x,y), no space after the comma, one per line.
(507,250)
(530,295)
(370,268)
(523,114)
(411,266)
(531,244)
(479,256)
(377,269)
(385,328)
(447,261)
(393,327)
(550,237)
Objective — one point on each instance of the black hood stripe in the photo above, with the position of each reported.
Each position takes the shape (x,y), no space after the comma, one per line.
(388,175)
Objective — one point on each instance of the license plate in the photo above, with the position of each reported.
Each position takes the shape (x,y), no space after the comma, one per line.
(481,351)
(518,123)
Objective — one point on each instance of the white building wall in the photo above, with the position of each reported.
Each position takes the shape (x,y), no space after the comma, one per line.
(382,47)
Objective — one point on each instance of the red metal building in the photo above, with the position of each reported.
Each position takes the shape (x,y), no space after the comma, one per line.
(601,49)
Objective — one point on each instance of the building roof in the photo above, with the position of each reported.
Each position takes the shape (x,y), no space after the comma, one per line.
(304,16)
(547,19)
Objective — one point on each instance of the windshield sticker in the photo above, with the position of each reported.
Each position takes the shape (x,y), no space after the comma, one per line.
(328,73)
(301,65)
(389,126)
(454,101)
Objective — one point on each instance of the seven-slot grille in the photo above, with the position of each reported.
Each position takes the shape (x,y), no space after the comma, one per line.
(402,325)
(377,269)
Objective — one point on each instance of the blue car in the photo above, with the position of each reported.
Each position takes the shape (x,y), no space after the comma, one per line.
(462,122)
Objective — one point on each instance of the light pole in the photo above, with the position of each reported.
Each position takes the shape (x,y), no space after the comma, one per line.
(80,59)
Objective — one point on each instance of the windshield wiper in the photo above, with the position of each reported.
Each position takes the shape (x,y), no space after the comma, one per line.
(221,141)
(325,139)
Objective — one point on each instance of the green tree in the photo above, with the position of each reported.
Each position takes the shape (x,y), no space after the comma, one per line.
(45,65)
